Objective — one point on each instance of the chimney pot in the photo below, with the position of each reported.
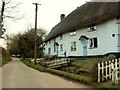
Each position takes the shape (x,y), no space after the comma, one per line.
(62,16)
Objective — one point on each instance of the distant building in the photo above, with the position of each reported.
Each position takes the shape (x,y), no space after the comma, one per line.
(91,29)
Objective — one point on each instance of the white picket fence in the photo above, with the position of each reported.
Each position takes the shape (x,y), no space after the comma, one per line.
(57,62)
(109,70)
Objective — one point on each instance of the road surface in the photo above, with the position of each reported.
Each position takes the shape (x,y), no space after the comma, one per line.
(17,75)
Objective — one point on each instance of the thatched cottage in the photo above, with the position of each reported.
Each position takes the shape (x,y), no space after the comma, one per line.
(91,29)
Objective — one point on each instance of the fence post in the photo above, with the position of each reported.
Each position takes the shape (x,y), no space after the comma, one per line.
(113,72)
(106,66)
(98,72)
(116,72)
(110,67)
(102,71)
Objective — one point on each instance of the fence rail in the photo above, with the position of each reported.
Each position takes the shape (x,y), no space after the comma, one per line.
(57,62)
(109,70)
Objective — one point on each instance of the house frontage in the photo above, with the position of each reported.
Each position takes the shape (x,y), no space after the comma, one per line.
(91,29)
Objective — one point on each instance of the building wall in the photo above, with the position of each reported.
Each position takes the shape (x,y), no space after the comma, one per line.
(119,36)
(104,34)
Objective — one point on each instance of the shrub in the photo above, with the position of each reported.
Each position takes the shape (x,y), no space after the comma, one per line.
(5,56)
(111,57)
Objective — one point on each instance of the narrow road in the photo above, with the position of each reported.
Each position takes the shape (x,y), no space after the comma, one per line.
(17,75)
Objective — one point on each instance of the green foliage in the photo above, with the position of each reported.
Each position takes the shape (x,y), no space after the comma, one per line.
(23,43)
(84,65)
(5,56)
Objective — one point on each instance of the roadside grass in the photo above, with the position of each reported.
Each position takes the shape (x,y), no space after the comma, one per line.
(83,65)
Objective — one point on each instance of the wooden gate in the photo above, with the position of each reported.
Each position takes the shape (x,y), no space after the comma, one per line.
(109,70)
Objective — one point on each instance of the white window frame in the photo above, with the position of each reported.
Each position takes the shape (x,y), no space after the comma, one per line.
(61,37)
(50,42)
(61,47)
(93,43)
(73,46)
(92,27)
(73,33)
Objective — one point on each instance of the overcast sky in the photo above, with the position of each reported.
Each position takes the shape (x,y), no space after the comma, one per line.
(48,14)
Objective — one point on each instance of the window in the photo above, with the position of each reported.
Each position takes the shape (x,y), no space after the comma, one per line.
(72,33)
(93,43)
(61,47)
(49,50)
(50,42)
(61,37)
(73,46)
(54,40)
(92,27)
(118,20)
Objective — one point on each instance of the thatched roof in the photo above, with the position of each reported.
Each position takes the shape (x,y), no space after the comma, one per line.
(85,15)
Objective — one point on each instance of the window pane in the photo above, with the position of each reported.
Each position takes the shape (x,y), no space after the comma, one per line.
(95,42)
(73,46)
(91,42)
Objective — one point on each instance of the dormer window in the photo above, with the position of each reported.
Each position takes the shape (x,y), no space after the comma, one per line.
(92,27)
(73,33)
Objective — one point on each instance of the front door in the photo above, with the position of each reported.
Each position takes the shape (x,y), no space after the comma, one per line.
(56,47)
(85,47)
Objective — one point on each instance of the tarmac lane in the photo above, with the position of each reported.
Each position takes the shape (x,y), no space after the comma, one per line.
(17,75)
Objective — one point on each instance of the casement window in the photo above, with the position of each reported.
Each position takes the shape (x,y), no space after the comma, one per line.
(73,46)
(61,37)
(93,43)
(73,33)
(92,27)
(49,50)
(61,47)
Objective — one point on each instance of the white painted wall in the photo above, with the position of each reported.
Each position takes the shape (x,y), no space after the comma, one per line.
(106,43)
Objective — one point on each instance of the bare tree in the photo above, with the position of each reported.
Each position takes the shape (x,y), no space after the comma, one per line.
(7,10)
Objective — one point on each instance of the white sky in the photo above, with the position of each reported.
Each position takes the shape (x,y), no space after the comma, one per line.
(48,14)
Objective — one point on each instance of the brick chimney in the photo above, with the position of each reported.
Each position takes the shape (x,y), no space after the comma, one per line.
(62,16)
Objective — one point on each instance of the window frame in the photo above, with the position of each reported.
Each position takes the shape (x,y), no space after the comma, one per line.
(61,47)
(93,43)
(73,33)
(73,46)
(92,28)
(49,50)
(61,37)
